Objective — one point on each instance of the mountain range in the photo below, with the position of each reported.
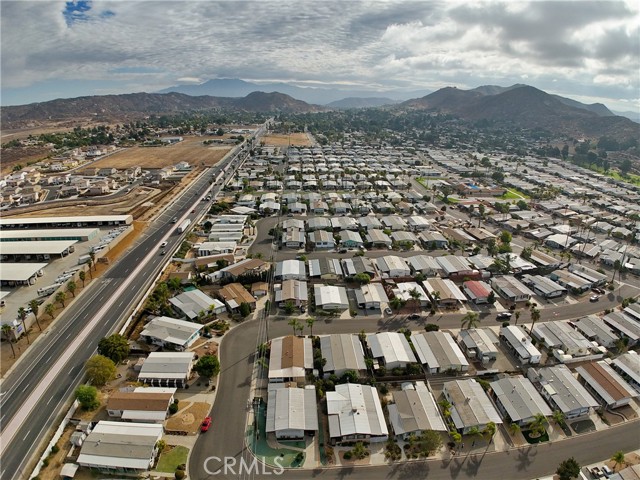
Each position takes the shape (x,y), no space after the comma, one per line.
(233,87)
(518,105)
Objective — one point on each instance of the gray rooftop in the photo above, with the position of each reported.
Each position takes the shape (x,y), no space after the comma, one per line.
(519,398)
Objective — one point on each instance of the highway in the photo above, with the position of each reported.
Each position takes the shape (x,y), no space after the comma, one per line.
(35,393)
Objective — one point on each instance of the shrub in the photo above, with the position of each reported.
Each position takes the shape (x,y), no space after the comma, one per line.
(431,327)
(180,474)
(173,408)
(348,455)
(55,449)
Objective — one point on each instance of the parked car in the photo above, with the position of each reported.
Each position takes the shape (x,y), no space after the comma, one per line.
(504,316)
(343,250)
(414,316)
(594,298)
(388,311)
(206,423)
(598,290)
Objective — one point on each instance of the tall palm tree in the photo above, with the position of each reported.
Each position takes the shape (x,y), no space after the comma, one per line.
(517,315)
(60,298)
(558,417)
(310,322)
(22,315)
(295,324)
(82,276)
(71,288)
(537,424)
(7,332)
(415,296)
(436,297)
(470,320)
(35,308)
(92,257)
(49,310)
(535,316)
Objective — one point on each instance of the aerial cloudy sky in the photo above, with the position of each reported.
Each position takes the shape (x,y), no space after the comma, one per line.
(589,51)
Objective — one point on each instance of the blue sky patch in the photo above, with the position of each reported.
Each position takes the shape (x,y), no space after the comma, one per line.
(76,11)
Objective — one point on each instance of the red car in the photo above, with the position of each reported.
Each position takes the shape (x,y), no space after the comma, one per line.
(206,423)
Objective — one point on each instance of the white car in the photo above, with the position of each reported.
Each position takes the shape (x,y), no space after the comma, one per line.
(388,311)
(163,244)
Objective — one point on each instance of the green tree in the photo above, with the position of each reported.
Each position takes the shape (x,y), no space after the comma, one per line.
(470,320)
(514,428)
(506,237)
(625,166)
(245,309)
(100,370)
(7,333)
(87,396)
(310,322)
(430,442)
(50,310)
(92,260)
(82,275)
(289,307)
(22,315)
(522,205)
(296,325)
(35,308)
(535,316)
(568,469)
(490,430)
(207,366)
(415,297)
(115,347)
(558,417)
(396,303)
(60,298)
(538,423)
(362,278)
(71,288)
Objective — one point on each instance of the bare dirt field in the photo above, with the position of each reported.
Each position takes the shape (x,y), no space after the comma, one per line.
(188,419)
(190,150)
(297,139)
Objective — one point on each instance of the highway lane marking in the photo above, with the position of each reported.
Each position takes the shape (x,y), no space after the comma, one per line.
(25,437)
(50,398)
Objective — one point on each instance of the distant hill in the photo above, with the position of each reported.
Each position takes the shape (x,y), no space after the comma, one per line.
(526,107)
(360,102)
(233,87)
(635,116)
(135,105)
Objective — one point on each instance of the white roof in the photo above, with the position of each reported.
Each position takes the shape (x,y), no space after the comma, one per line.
(171,330)
(120,444)
(167,365)
(374,292)
(355,409)
(104,219)
(51,247)
(564,390)
(330,295)
(48,233)
(392,346)
(520,341)
(438,350)
(19,272)
(629,363)
(192,302)
(342,352)
(291,408)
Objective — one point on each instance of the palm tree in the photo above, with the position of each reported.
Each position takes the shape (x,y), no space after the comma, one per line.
(60,298)
(481,210)
(310,322)
(82,276)
(514,428)
(22,315)
(490,430)
(396,303)
(558,417)
(470,320)
(71,288)
(537,424)
(436,297)
(618,459)
(517,315)
(535,316)
(6,332)
(92,258)
(35,308)
(90,263)
(49,310)
(415,296)
(295,324)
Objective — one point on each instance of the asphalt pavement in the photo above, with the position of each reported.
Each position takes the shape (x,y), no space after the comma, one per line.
(30,406)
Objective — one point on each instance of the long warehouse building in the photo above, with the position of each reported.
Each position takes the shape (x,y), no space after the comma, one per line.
(66,222)
(21,235)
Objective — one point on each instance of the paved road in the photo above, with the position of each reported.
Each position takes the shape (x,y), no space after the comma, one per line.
(26,398)
(226,439)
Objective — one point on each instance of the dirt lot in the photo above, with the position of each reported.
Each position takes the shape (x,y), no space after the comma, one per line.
(188,419)
(190,150)
(298,139)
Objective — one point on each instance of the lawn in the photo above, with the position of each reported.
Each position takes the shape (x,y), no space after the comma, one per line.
(514,195)
(170,460)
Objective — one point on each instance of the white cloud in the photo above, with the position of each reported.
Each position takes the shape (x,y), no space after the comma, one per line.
(382,44)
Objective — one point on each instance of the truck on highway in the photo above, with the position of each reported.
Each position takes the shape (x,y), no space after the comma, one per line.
(46,291)
(183,226)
